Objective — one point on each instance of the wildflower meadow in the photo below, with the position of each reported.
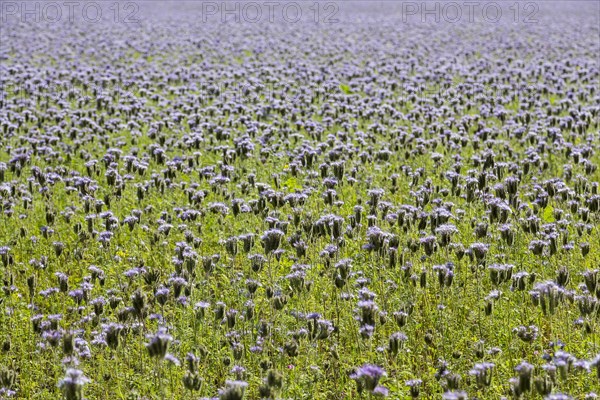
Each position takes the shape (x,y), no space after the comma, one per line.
(299,200)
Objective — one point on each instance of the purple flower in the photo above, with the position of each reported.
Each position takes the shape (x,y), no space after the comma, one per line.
(233,390)
(72,384)
(170,358)
(77,295)
(159,343)
(368,375)
(380,391)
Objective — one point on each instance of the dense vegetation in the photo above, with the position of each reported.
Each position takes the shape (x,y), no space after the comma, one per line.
(306,211)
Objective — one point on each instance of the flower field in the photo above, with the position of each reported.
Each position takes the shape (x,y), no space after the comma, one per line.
(350,202)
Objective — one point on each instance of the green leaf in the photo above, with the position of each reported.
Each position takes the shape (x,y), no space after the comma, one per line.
(345,88)
(548,215)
